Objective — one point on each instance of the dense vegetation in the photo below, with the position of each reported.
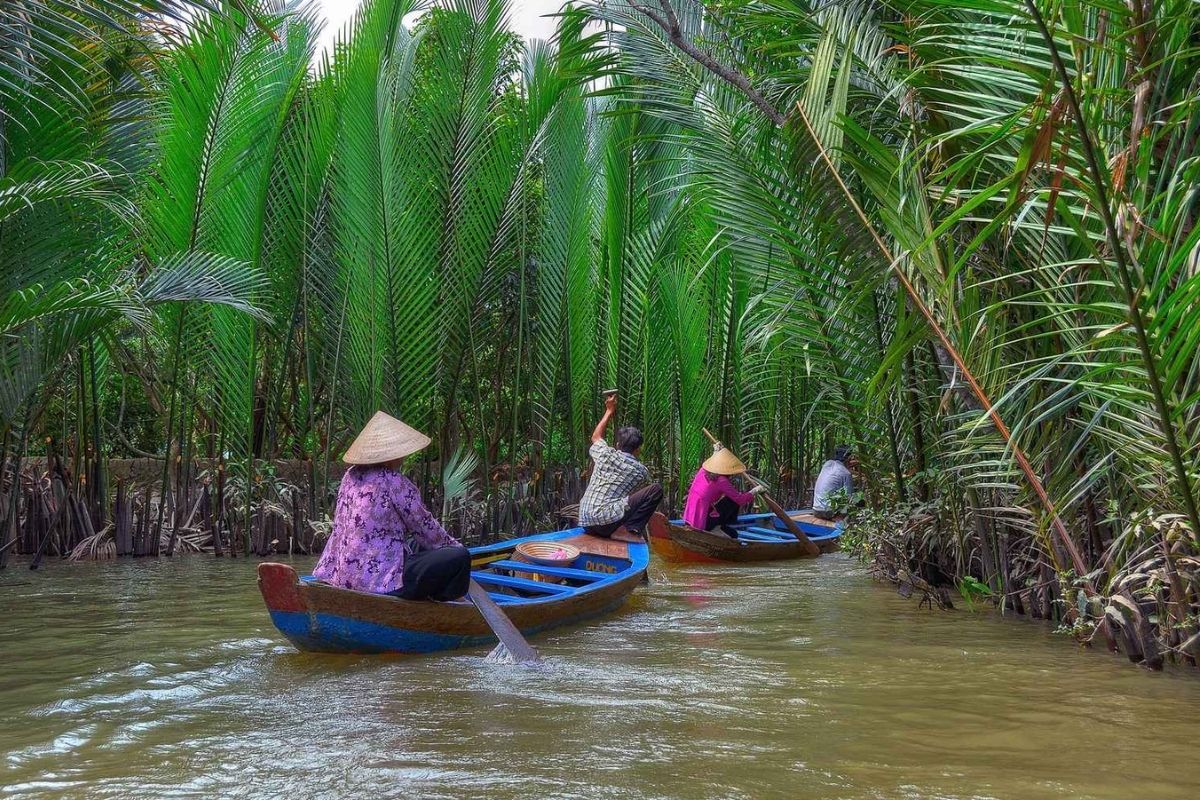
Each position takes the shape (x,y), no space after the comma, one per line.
(959,234)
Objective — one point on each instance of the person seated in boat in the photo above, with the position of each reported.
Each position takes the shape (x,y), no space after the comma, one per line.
(713,501)
(835,475)
(613,505)
(384,539)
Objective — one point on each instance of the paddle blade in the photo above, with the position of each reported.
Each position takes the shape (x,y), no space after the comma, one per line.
(519,650)
(500,655)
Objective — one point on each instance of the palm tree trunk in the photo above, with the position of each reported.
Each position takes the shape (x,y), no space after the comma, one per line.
(893,438)
(912,390)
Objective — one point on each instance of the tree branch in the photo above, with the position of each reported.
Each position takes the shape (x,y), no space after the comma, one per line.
(670,26)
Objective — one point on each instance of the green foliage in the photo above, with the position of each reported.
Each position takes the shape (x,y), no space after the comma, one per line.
(972,590)
(459,481)
(842,501)
(211,229)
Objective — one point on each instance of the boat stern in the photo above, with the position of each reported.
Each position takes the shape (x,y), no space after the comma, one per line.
(280,587)
(665,547)
(342,621)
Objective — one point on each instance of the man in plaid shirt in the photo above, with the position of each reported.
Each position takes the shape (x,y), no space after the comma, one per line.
(613,505)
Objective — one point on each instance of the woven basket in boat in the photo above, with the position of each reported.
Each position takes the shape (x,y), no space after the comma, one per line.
(548,554)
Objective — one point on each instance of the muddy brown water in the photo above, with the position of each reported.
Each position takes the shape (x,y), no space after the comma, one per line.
(807,680)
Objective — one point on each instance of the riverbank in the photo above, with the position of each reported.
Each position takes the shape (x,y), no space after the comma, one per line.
(1141,596)
(785,681)
(66,509)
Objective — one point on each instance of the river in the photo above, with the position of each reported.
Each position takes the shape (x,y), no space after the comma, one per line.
(804,680)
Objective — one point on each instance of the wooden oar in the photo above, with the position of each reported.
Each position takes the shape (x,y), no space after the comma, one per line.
(785,518)
(521,651)
(776,509)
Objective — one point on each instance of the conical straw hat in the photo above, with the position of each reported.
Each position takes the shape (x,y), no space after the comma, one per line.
(384,438)
(724,462)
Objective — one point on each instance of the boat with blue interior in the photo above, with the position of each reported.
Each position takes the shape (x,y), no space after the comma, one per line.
(758,537)
(317,617)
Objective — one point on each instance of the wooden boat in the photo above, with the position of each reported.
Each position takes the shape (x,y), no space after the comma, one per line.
(317,617)
(760,537)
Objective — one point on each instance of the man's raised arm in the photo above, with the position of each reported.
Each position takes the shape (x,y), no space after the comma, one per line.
(610,408)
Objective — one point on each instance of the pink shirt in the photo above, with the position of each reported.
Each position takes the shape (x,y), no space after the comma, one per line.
(704,493)
(380,520)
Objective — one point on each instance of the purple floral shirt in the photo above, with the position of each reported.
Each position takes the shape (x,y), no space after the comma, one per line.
(380,520)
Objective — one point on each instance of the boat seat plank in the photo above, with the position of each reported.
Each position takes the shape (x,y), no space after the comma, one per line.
(758,537)
(520,583)
(813,519)
(781,535)
(552,572)
(599,546)
(516,600)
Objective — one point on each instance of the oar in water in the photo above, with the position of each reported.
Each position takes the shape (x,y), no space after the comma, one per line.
(776,509)
(519,650)
(785,518)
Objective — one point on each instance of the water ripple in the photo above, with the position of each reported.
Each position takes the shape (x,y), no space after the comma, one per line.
(807,680)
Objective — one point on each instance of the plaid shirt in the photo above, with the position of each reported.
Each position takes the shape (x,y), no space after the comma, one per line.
(616,476)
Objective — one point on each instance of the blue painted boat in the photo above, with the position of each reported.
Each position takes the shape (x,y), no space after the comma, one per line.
(760,537)
(317,617)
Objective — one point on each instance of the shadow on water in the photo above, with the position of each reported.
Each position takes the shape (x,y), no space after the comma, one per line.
(165,678)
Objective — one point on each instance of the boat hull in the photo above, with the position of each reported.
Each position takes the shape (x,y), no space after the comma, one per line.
(317,617)
(673,541)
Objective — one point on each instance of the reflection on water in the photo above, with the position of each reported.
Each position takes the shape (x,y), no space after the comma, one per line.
(806,680)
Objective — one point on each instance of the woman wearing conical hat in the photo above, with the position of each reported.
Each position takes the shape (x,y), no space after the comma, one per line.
(713,501)
(384,538)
